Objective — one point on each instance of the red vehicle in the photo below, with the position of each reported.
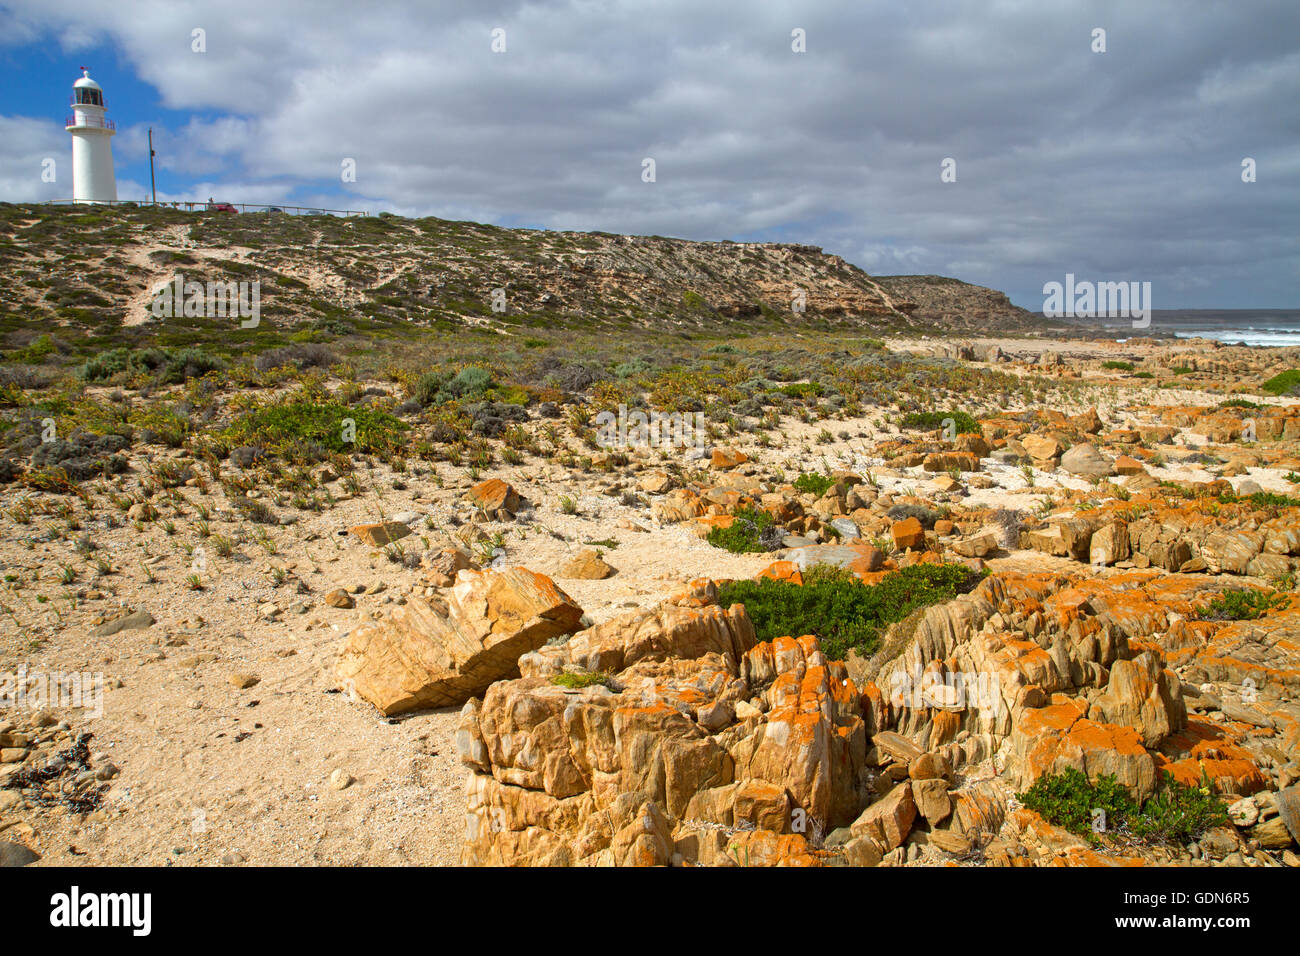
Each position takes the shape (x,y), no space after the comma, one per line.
(221,207)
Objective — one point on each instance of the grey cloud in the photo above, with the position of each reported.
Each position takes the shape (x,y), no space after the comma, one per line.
(1122,164)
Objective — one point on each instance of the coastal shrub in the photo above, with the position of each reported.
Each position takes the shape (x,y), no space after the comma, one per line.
(82,455)
(1284,383)
(35,352)
(930,421)
(1176,813)
(471,380)
(165,366)
(440,386)
(1116,366)
(1068,800)
(428,387)
(491,419)
(292,428)
(18,377)
(106,364)
(813,483)
(1242,605)
(1270,502)
(301,356)
(802,389)
(838,608)
(180,365)
(745,534)
(569,376)
(634,367)
(578,681)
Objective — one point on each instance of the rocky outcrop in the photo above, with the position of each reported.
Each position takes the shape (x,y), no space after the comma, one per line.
(701,746)
(495,498)
(1179,537)
(1086,461)
(439,651)
(671,736)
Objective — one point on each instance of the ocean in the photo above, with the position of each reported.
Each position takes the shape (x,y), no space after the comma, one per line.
(1275,327)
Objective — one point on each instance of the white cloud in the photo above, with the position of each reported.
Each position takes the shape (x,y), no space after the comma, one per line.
(26,148)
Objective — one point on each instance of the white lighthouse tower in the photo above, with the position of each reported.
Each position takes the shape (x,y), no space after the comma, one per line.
(92,143)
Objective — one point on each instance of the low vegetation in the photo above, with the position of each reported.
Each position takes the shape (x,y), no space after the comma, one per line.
(839,609)
(929,421)
(304,430)
(746,533)
(1284,383)
(813,483)
(578,680)
(1244,605)
(1104,808)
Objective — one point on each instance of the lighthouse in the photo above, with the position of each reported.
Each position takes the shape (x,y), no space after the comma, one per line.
(92,143)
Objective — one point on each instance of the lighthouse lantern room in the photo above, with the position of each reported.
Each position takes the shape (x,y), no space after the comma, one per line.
(92,149)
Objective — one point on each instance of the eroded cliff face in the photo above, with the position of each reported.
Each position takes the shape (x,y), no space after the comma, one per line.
(384,270)
(958,306)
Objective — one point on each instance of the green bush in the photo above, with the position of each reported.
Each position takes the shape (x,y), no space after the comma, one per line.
(929,421)
(634,367)
(34,353)
(429,387)
(1118,366)
(1284,383)
(812,483)
(470,381)
(802,389)
(744,535)
(838,608)
(1068,799)
(1242,605)
(281,427)
(440,386)
(165,366)
(1176,813)
(106,365)
(578,681)
(1271,499)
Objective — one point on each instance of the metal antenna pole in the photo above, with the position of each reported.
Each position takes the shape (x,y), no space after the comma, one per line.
(152,187)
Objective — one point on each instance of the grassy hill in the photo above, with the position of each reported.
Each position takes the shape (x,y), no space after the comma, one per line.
(84,277)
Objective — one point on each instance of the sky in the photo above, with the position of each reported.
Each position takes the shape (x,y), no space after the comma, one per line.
(1115,164)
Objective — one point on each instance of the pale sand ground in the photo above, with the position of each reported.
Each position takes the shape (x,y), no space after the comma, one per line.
(187,783)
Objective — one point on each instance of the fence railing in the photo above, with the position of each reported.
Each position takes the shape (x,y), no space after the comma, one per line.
(213,206)
(96,123)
